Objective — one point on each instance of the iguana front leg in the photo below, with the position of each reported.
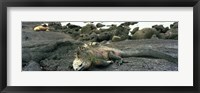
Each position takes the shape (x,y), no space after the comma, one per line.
(114,57)
(103,62)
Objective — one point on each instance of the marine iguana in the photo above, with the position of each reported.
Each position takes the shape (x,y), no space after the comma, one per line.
(99,55)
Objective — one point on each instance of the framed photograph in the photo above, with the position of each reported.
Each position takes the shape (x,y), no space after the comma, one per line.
(99,46)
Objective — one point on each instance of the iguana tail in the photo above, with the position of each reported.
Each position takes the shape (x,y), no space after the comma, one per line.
(148,53)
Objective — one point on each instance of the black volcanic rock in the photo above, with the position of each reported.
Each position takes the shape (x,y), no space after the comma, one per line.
(32,66)
(145,33)
(98,25)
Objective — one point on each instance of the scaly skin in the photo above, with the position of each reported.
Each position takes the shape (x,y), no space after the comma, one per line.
(98,55)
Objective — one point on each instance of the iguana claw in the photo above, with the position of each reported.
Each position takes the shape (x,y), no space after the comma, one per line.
(119,62)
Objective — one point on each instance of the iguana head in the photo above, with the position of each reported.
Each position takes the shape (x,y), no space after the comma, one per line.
(81,61)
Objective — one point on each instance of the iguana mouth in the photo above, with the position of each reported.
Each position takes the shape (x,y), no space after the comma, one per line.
(81,69)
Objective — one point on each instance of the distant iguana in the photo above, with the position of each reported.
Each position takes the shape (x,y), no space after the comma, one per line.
(99,55)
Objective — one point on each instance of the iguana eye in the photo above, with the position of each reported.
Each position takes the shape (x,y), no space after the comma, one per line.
(80,65)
